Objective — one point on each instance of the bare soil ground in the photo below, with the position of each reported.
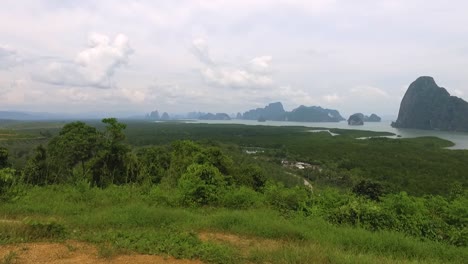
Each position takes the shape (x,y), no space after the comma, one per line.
(71,252)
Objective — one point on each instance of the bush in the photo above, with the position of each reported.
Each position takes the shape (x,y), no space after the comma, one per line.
(286,199)
(6,180)
(201,185)
(241,198)
(369,189)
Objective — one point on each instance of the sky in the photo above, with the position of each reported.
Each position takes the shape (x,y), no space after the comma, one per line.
(136,56)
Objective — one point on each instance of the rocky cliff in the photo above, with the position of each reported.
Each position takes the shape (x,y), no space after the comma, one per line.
(372,118)
(217,116)
(276,112)
(356,120)
(273,111)
(314,114)
(428,106)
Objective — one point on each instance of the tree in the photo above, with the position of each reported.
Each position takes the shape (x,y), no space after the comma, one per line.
(154,163)
(110,164)
(252,176)
(37,170)
(4,158)
(76,144)
(369,189)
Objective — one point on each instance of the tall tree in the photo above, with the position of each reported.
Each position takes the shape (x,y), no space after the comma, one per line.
(76,143)
(110,165)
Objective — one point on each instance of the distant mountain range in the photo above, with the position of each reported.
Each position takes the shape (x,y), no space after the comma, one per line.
(276,112)
(37,116)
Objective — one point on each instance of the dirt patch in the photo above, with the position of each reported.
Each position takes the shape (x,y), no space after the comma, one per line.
(242,242)
(71,252)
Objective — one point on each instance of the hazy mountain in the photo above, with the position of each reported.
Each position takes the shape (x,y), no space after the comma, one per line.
(314,114)
(217,116)
(276,112)
(372,118)
(273,111)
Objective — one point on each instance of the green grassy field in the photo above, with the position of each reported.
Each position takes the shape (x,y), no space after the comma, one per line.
(132,218)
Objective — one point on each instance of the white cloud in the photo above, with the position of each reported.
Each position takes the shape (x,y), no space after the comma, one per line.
(201,51)
(171,93)
(293,97)
(19,92)
(458,92)
(331,98)
(135,96)
(235,78)
(252,77)
(94,67)
(261,64)
(369,91)
(8,58)
(75,95)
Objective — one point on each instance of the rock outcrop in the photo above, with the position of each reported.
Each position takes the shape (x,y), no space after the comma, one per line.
(276,112)
(165,116)
(153,115)
(273,111)
(217,116)
(314,114)
(372,118)
(428,106)
(356,119)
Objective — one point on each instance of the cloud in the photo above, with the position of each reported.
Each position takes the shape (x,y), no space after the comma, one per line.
(261,64)
(294,97)
(255,76)
(331,98)
(201,51)
(369,91)
(94,66)
(172,93)
(134,95)
(8,58)
(235,78)
(19,91)
(458,92)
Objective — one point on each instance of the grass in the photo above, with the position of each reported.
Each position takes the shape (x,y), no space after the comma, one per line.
(122,219)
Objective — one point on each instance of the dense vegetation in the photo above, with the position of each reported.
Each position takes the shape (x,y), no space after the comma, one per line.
(152,188)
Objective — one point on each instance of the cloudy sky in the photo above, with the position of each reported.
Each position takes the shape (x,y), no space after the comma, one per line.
(212,55)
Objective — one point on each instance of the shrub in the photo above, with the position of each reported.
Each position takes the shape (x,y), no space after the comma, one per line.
(286,199)
(201,185)
(6,180)
(370,189)
(241,198)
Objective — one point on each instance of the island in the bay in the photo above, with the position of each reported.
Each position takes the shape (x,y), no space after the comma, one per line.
(358,119)
(428,106)
(276,112)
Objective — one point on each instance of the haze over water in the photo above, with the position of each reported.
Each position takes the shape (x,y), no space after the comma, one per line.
(458,138)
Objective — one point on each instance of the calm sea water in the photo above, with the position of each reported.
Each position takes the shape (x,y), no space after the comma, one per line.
(460,139)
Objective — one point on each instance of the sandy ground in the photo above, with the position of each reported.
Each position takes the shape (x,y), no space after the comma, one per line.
(72,252)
